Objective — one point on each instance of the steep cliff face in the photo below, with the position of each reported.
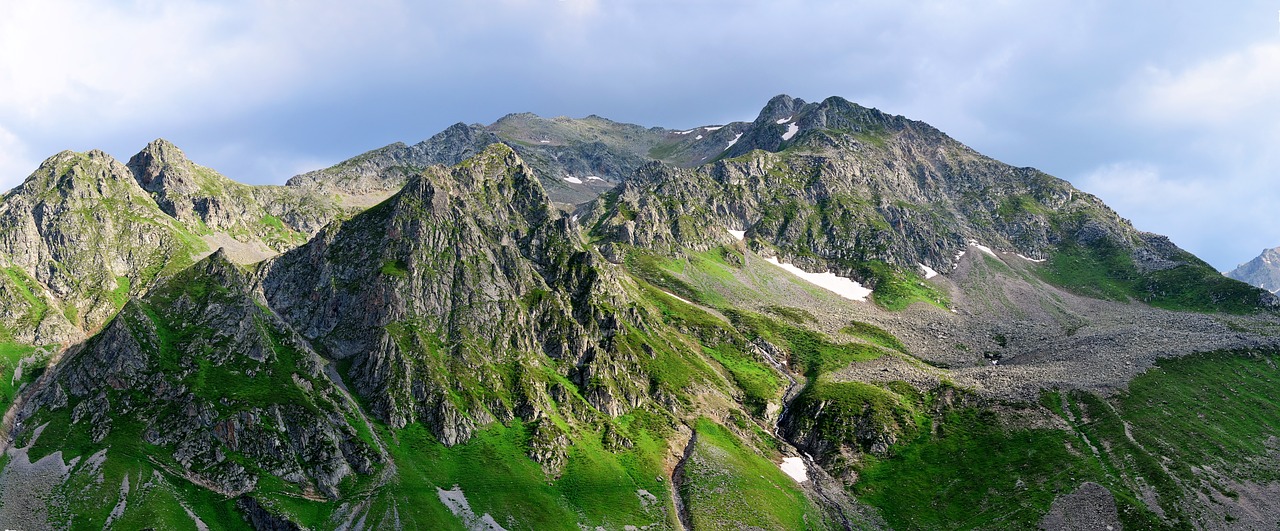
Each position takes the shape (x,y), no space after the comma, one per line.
(462,300)
(218,387)
(77,238)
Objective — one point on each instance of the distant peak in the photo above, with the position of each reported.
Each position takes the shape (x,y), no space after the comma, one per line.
(780,107)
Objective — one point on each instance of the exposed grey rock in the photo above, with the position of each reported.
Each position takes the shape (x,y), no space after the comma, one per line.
(1090,507)
(1263,271)
(461,273)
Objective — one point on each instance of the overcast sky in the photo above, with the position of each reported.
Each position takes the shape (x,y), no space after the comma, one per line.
(1170,111)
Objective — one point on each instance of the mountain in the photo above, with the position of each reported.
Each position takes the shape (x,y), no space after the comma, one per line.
(827,318)
(576,159)
(276,218)
(77,239)
(1263,271)
(84,233)
(877,197)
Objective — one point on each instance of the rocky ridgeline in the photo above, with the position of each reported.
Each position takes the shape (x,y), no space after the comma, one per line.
(281,217)
(1263,271)
(853,186)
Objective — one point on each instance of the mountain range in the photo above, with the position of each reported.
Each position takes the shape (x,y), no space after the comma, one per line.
(829,317)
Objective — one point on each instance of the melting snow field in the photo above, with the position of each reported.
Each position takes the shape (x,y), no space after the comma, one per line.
(982,248)
(928,271)
(1029,259)
(716,128)
(844,287)
(679,298)
(794,467)
(734,141)
(572,179)
(594,178)
(783,120)
(739,234)
(456,501)
(792,129)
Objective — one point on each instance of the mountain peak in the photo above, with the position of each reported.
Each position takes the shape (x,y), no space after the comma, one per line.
(780,107)
(1263,271)
(162,167)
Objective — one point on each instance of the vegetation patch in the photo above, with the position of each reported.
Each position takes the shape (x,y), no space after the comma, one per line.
(728,485)
(795,315)
(812,353)
(394,268)
(895,288)
(966,471)
(876,335)
(1105,270)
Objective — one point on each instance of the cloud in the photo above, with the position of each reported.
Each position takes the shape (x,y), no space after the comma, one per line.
(1223,219)
(1236,87)
(15,164)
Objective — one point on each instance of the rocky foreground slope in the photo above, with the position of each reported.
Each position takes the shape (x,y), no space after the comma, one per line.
(989,347)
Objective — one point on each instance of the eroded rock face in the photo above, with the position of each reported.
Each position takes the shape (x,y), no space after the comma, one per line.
(454,298)
(200,369)
(77,238)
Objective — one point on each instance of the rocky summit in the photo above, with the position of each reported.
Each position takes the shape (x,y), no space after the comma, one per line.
(1263,271)
(829,317)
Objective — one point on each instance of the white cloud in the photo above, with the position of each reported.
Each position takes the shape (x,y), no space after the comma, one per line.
(1240,86)
(100,64)
(15,163)
(1220,218)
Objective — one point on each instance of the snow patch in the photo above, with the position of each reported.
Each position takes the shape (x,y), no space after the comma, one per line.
(794,467)
(982,248)
(928,271)
(734,141)
(716,128)
(1029,259)
(594,178)
(792,129)
(699,137)
(784,120)
(677,297)
(844,287)
(685,132)
(456,501)
(572,179)
(739,234)
(544,141)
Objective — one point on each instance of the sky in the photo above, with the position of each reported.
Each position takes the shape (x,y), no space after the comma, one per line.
(1168,111)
